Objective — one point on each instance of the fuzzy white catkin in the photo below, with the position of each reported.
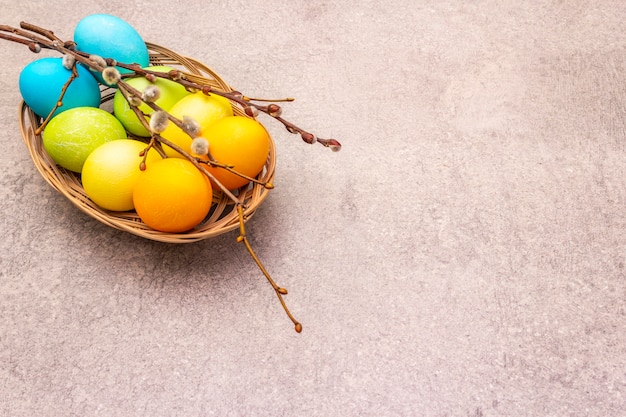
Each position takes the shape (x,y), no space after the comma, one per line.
(191,126)
(68,61)
(151,94)
(200,146)
(111,75)
(98,60)
(158,121)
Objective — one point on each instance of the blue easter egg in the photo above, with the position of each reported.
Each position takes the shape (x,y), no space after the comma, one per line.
(41,82)
(111,37)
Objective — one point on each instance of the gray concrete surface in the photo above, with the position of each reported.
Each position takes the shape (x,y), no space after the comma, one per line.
(462,256)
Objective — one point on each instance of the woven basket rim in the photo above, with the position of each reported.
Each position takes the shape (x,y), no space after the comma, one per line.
(223,216)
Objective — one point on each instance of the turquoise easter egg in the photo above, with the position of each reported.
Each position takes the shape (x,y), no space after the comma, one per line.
(41,83)
(111,37)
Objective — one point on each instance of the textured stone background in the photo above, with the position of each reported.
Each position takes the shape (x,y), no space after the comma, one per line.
(462,256)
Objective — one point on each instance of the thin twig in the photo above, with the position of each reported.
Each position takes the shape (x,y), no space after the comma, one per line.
(59,102)
(278,290)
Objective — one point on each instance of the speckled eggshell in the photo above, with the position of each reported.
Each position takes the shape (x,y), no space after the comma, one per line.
(71,136)
(41,82)
(111,37)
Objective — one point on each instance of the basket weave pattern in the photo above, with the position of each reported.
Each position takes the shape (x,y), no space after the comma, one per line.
(223,216)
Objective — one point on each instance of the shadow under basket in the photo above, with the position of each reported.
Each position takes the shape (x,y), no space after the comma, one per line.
(223,216)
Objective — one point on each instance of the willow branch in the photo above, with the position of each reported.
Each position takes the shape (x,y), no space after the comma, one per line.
(280,291)
(59,102)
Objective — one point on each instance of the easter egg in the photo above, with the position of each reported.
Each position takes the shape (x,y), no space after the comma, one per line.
(204,109)
(41,83)
(172,195)
(110,37)
(111,171)
(170,93)
(240,142)
(71,136)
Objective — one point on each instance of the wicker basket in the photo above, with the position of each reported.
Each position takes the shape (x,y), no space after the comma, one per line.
(223,216)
